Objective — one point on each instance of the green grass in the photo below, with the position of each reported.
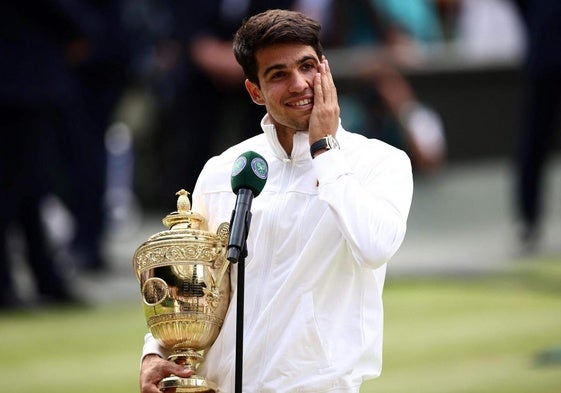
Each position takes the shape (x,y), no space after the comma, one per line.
(445,335)
(89,350)
(473,335)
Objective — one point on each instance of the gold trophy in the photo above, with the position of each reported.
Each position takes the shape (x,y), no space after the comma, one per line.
(185,285)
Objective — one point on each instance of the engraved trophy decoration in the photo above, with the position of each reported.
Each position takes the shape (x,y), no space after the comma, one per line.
(185,286)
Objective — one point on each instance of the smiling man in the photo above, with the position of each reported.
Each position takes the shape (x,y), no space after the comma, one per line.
(331,215)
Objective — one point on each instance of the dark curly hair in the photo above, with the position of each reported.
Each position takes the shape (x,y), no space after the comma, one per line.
(269,28)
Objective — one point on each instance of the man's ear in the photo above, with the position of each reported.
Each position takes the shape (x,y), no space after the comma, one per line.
(254,92)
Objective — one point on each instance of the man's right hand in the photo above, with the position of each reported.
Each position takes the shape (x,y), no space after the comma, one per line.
(154,369)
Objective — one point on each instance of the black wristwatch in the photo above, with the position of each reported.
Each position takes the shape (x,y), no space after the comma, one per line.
(327,143)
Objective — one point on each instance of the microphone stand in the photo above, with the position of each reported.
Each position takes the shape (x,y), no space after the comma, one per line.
(235,256)
(239,321)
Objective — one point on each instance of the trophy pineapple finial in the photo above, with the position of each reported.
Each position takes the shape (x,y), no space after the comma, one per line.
(183,203)
(184,218)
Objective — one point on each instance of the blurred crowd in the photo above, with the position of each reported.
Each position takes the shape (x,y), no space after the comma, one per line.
(64,66)
(99,93)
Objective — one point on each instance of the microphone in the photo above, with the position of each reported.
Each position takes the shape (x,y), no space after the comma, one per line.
(249,176)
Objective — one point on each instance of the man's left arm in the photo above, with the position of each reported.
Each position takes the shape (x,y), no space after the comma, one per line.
(370,199)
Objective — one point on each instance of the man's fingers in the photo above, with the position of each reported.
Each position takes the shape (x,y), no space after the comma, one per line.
(154,369)
(330,83)
(318,89)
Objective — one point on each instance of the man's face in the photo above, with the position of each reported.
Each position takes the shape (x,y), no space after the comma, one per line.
(286,73)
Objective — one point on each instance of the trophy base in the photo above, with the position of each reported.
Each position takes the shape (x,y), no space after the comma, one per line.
(193,384)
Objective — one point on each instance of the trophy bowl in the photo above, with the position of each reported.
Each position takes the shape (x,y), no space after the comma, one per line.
(184,281)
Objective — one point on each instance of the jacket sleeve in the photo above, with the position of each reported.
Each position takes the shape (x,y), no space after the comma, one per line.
(370,193)
(151,346)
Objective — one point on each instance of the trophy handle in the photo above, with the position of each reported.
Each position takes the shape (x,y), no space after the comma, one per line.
(222,264)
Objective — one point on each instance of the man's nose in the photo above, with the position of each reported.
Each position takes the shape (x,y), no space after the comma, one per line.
(298,82)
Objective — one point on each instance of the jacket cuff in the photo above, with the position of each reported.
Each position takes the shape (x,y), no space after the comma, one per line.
(151,347)
(331,165)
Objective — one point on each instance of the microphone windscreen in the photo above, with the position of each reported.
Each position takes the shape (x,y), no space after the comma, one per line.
(250,171)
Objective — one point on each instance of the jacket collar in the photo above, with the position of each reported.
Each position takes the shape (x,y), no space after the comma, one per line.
(301,146)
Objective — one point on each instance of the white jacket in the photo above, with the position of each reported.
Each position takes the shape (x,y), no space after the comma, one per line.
(316,265)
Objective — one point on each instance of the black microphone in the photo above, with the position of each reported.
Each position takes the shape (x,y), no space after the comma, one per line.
(249,176)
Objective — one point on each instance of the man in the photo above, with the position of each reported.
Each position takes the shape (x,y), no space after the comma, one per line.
(322,229)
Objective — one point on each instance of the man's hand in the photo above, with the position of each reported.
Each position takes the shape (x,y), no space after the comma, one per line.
(154,369)
(325,114)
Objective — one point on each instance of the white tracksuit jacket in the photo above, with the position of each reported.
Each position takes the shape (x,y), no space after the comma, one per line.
(316,265)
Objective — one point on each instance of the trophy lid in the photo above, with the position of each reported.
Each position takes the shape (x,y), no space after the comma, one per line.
(184,218)
(186,241)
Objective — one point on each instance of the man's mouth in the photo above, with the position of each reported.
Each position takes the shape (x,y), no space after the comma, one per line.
(302,102)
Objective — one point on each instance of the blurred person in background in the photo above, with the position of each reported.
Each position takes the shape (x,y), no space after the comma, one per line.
(33,43)
(65,65)
(206,94)
(541,109)
(486,29)
(98,65)
(386,102)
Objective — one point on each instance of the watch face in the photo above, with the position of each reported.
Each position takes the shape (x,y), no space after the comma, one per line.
(332,142)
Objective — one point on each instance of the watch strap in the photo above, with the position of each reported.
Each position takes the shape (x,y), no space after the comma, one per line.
(326,143)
